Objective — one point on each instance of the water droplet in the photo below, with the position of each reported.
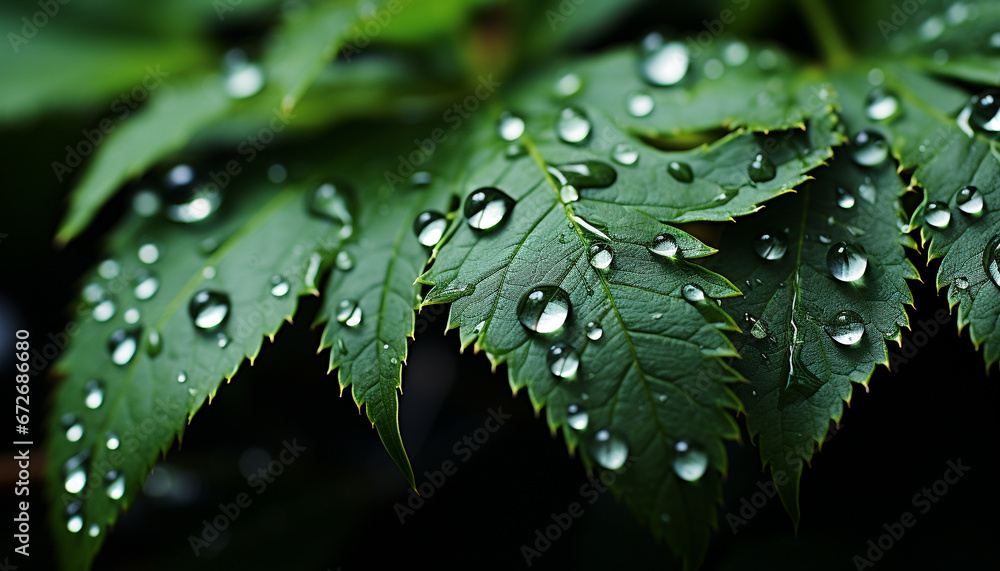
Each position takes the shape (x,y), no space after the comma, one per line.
(349,313)
(770,246)
(610,449)
(241,77)
(584,174)
(866,191)
(279,285)
(421,179)
(576,417)
(713,69)
(111,441)
(573,125)
(937,215)
(94,530)
(208,309)
(882,104)
(639,104)
(991,260)
(149,253)
(961,283)
(131,315)
(693,293)
(663,63)
(75,470)
(209,245)
(736,53)
(93,393)
(870,149)
(624,154)
(563,361)
(601,256)
(568,85)
(277,173)
(486,208)
(222,340)
(657,316)
(845,199)
(931,29)
(335,204)
(761,168)
(188,198)
(122,345)
(690,463)
(114,485)
(146,203)
(146,285)
(429,227)
(568,193)
(543,308)
(680,171)
(108,269)
(515,151)
(847,261)
(344,261)
(510,127)
(154,343)
(594,330)
(73,427)
(664,245)
(104,310)
(74,521)
(759,327)
(969,200)
(846,328)
(182,377)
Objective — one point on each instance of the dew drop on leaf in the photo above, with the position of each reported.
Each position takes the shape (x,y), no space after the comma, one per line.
(114,485)
(624,154)
(882,104)
(146,203)
(108,269)
(639,104)
(663,63)
(335,204)
(680,171)
(693,293)
(510,127)
(543,308)
(577,418)
(429,227)
(208,309)
(594,330)
(94,530)
(93,394)
(486,208)
(847,261)
(610,449)
(969,200)
(664,245)
(349,313)
(222,340)
(146,284)
(761,168)
(601,256)
(870,149)
(182,377)
(73,427)
(937,215)
(846,328)
(75,472)
(154,343)
(568,85)
(689,463)
(985,116)
(149,253)
(568,194)
(241,77)
(585,174)
(344,261)
(279,285)
(188,199)
(845,199)
(515,151)
(563,361)
(104,310)
(122,345)
(573,125)
(866,190)
(74,521)
(770,246)
(991,260)
(131,315)
(111,441)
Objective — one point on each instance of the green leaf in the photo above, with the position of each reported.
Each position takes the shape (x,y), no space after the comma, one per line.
(799,376)
(260,237)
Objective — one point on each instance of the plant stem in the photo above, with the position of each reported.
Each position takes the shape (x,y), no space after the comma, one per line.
(824,27)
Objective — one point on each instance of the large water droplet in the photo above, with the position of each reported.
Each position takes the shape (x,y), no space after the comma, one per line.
(334,203)
(93,394)
(870,149)
(985,116)
(847,261)
(610,449)
(510,127)
(601,256)
(680,171)
(693,293)
(846,328)
(761,168)
(770,246)
(429,227)
(594,330)
(349,313)
(937,215)
(663,63)
(585,174)
(241,77)
(690,462)
(122,345)
(576,417)
(664,245)
(639,104)
(991,260)
(486,208)
(882,104)
(573,126)
(279,285)
(188,198)
(624,154)
(208,309)
(543,308)
(969,200)
(146,284)
(845,199)
(563,361)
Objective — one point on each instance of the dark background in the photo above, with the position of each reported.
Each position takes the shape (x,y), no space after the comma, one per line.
(333,508)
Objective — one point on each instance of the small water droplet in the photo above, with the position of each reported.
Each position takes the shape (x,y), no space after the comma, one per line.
(188,198)
(870,149)
(111,441)
(182,377)
(624,154)
(693,293)
(601,256)
(713,69)
(149,253)
(336,204)
(349,313)
(594,330)
(209,309)
(937,215)
(543,308)
(573,126)
(664,245)
(639,104)
(882,104)
(93,393)
(866,191)
(131,315)
(576,417)
(114,485)
(991,260)
(429,227)
(680,171)
(846,328)
(104,310)
(146,284)
(75,472)
(486,208)
(420,179)
(969,200)
(109,269)
(241,77)
(663,63)
(344,261)
(122,345)
(759,327)
(154,343)
(568,85)
(94,530)
(209,245)
(568,194)
(277,173)
(146,203)
(510,127)
(563,361)
(847,261)
(222,340)
(770,246)
(515,151)
(656,316)
(279,286)
(736,53)
(74,521)
(610,449)
(690,462)
(761,168)
(73,426)
(845,199)
(961,283)
(208,272)
(931,29)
